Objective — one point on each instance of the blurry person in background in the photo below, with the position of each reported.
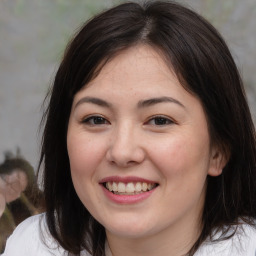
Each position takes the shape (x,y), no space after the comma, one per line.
(20,197)
(13,184)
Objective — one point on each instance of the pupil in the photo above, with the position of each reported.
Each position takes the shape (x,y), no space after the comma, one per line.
(160,121)
(98,120)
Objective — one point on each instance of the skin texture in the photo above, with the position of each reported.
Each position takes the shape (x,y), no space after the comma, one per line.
(129,139)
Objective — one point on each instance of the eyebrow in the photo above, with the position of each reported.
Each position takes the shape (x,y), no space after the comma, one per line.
(141,103)
(154,101)
(93,100)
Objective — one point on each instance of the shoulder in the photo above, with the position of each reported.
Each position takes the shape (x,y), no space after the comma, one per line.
(31,238)
(27,238)
(248,237)
(243,243)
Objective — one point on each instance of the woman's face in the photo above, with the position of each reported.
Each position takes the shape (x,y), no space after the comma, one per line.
(136,131)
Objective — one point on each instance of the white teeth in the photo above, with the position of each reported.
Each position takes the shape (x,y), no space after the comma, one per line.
(121,187)
(130,187)
(150,186)
(144,186)
(138,187)
(114,187)
(109,186)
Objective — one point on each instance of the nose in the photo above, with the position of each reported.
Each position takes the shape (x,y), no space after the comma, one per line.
(125,147)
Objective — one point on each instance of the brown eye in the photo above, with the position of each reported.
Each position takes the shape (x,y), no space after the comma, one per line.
(95,120)
(159,120)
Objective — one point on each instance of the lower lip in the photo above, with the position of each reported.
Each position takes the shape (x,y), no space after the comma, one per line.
(127,199)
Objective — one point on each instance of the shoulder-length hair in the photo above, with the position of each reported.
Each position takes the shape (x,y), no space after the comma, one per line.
(203,63)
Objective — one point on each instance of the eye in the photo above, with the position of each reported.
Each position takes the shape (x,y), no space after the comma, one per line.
(160,120)
(95,120)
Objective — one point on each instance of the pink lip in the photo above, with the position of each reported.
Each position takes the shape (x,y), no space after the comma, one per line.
(126,199)
(125,179)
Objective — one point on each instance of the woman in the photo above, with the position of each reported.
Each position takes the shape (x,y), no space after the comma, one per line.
(149,146)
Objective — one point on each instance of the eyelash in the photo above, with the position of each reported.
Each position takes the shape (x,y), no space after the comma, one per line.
(163,121)
(99,120)
(94,119)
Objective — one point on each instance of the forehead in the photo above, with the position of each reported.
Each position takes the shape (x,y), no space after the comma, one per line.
(138,67)
(137,60)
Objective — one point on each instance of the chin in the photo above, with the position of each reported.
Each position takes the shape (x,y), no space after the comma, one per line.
(130,234)
(129,229)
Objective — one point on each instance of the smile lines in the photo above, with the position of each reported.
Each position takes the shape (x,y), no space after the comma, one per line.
(130,188)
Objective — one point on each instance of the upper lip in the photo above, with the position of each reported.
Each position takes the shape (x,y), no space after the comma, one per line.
(125,179)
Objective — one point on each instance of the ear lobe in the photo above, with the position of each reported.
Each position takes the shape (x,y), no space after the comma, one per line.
(217,162)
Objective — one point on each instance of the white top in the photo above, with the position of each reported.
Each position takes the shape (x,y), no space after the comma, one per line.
(26,241)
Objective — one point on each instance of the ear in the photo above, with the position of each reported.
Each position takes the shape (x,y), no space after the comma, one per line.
(219,159)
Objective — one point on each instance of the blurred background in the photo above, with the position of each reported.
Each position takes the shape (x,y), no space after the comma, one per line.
(33,35)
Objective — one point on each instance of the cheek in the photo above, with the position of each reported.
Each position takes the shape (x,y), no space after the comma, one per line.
(85,155)
(183,165)
(182,157)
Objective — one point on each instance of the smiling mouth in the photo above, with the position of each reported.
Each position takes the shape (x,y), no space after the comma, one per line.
(130,188)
